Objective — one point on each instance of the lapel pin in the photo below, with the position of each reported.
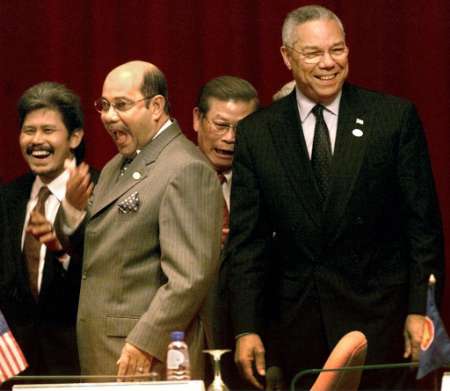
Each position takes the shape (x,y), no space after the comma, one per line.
(136,175)
(359,121)
(357,132)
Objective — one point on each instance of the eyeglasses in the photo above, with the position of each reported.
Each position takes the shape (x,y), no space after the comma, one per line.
(222,128)
(315,56)
(121,105)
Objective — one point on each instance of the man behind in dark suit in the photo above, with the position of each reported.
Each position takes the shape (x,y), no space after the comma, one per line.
(43,320)
(339,214)
(222,103)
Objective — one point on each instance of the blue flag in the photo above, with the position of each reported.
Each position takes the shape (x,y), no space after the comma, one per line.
(435,346)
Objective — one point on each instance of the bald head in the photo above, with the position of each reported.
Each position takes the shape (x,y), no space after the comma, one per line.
(144,76)
(134,105)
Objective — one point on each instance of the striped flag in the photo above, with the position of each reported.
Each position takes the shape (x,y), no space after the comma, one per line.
(12,360)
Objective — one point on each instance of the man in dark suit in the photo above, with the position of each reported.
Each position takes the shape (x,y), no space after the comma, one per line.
(335,224)
(39,292)
(222,103)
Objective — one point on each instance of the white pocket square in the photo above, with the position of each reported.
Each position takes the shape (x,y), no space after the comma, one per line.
(130,204)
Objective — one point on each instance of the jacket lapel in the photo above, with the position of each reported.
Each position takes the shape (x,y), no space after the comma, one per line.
(16,266)
(351,141)
(112,186)
(288,138)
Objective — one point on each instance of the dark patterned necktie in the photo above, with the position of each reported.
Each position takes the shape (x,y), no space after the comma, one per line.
(126,162)
(226,213)
(321,152)
(32,246)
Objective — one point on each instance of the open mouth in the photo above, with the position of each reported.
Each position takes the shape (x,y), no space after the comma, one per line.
(118,136)
(39,153)
(326,77)
(224,152)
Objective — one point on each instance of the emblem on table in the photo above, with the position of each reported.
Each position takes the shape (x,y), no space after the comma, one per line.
(130,204)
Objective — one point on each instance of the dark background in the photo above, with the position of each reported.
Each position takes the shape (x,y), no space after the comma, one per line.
(397,46)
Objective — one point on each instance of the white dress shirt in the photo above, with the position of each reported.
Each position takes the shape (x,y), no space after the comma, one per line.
(308,120)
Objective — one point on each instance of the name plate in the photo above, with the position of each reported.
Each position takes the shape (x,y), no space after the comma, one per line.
(192,385)
(445,386)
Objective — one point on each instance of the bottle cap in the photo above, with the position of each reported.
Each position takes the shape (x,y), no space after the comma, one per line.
(177,335)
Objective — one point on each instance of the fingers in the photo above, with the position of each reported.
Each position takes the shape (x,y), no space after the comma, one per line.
(133,362)
(79,186)
(407,352)
(415,348)
(122,366)
(249,350)
(413,334)
(42,230)
(247,371)
(260,363)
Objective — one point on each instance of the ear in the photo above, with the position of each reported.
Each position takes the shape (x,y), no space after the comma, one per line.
(75,138)
(157,106)
(286,58)
(196,119)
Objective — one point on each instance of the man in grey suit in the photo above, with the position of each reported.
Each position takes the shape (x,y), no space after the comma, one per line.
(152,237)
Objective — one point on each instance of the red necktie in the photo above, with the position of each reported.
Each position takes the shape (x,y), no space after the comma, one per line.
(32,246)
(226,213)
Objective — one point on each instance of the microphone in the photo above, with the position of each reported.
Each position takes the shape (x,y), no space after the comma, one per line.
(274,379)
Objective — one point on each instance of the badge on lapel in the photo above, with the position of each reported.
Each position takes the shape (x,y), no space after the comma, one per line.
(358,132)
(129,204)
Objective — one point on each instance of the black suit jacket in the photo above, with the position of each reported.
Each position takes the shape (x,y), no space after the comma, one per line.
(44,329)
(363,257)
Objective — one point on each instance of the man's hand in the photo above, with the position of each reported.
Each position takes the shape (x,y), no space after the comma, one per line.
(79,187)
(413,333)
(133,362)
(249,349)
(43,231)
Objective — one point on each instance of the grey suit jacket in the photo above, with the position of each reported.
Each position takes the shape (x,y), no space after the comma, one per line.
(147,272)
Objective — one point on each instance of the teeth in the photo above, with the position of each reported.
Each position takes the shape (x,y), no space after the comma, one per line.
(40,153)
(326,77)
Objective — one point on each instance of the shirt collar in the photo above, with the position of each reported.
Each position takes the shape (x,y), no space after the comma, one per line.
(227,175)
(305,105)
(163,128)
(57,186)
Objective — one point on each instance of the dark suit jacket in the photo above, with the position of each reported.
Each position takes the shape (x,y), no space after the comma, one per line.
(364,257)
(45,330)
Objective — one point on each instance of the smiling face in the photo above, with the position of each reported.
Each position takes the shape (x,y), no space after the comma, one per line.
(218,146)
(45,143)
(320,82)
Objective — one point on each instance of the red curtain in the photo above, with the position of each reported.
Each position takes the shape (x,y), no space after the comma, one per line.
(397,46)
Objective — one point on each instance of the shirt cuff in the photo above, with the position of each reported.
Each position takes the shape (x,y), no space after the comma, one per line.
(65,260)
(72,218)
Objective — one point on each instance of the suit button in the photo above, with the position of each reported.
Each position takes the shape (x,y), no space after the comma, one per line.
(359,221)
(84,276)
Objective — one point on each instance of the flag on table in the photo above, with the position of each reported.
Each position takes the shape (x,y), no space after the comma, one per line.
(12,360)
(435,345)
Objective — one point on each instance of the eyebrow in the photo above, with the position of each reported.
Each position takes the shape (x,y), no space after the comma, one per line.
(39,126)
(317,47)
